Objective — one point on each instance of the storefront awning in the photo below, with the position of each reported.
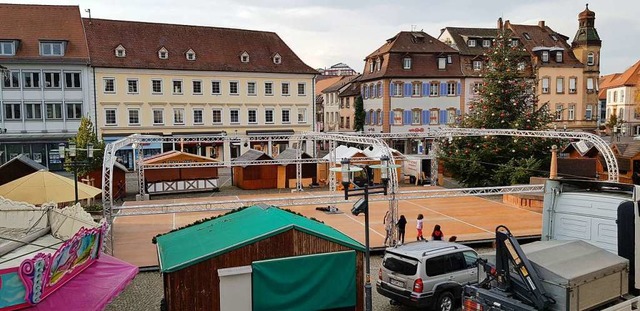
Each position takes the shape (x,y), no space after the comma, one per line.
(93,289)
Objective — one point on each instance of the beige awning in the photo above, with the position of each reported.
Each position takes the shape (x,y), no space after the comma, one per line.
(45,187)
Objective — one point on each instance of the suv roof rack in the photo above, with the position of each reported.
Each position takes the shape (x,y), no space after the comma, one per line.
(439,249)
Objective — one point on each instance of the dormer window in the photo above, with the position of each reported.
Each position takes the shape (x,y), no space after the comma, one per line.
(191,55)
(521,66)
(121,51)
(471,43)
(449,59)
(514,42)
(545,56)
(371,65)
(553,36)
(486,43)
(244,57)
(277,59)
(7,48)
(406,63)
(378,64)
(52,48)
(526,36)
(558,57)
(163,53)
(442,63)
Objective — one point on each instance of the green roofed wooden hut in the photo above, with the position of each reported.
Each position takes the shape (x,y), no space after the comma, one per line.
(261,258)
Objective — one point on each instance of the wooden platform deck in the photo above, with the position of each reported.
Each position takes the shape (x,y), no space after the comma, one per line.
(469,218)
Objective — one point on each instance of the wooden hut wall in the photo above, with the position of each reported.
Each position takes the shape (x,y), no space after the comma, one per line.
(309,170)
(172,174)
(16,170)
(118,176)
(256,177)
(197,287)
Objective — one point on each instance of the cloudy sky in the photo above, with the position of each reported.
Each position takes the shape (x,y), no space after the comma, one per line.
(325,32)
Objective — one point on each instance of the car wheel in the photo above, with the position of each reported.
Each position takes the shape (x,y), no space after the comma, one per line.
(444,302)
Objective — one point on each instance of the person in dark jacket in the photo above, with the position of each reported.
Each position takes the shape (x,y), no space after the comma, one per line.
(437,234)
(402,223)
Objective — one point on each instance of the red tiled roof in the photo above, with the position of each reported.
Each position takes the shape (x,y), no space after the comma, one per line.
(339,84)
(325,83)
(32,23)
(216,49)
(629,77)
(604,83)
(542,37)
(424,51)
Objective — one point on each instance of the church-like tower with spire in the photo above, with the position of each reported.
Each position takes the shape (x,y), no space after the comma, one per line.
(586,47)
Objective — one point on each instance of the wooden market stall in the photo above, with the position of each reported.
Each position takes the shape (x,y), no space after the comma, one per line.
(261,258)
(17,167)
(160,179)
(252,177)
(287,172)
(119,173)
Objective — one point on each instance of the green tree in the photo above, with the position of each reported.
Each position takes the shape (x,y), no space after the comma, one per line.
(506,101)
(358,122)
(86,135)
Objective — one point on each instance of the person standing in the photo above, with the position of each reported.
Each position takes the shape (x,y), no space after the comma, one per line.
(437,234)
(402,223)
(388,227)
(419,225)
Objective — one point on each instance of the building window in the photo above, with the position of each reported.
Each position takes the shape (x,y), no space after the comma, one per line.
(559,85)
(177,87)
(526,36)
(615,96)
(286,117)
(268,116)
(302,90)
(378,64)
(197,116)
(74,110)
(120,51)
(572,85)
(371,65)
(31,79)
(406,63)
(244,57)
(471,43)
(415,89)
(451,116)
(434,116)
(434,89)
(110,117)
(545,85)
(514,42)
(277,59)
(398,89)
(216,115)
(234,116)
(134,117)
(158,116)
(451,89)
(12,111)
(302,115)
(591,59)
(572,112)
(380,117)
(251,88)
(72,80)
(178,116)
(268,88)
(397,117)
(51,79)
(590,85)
(622,96)
(252,116)
(156,86)
(12,80)
(215,87)
(477,86)
(486,43)
(477,65)
(559,112)
(348,123)
(7,48)
(415,116)
(132,86)
(233,88)
(163,53)
(191,55)
(589,112)
(52,48)
(442,63)
(33,111)
(285,88)
(545,56)
(521,66)
(109,85)
(54,111)
(197,87)
(559,57)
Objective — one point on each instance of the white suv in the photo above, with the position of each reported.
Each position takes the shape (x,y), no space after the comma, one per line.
(427,275)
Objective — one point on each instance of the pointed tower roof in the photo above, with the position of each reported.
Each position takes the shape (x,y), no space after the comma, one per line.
(587,33)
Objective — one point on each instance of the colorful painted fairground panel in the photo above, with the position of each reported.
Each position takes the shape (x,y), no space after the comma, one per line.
(38,277)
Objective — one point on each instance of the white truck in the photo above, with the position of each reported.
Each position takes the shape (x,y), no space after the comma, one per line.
(586,260)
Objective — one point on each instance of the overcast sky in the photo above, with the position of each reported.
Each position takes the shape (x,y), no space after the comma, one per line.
(327,32)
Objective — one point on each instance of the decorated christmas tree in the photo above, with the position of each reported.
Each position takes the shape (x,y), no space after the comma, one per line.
(506,100)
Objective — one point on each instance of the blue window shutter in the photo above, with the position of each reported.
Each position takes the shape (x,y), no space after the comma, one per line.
(380,87)
(458,113)
(381,114)
(459,88)
(425,89)
(391,117)
(443,117)
(393,89)
(407,89)
(407,117)
(374,115)
(443,89)
(362,91)
(425,116)
(366,92)
(366,117)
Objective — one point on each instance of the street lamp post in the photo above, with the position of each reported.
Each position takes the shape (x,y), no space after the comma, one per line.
(362,206)
(72,152)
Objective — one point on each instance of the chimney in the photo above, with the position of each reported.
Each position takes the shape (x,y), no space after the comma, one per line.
(541,24)
(500,23)
(553,172)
